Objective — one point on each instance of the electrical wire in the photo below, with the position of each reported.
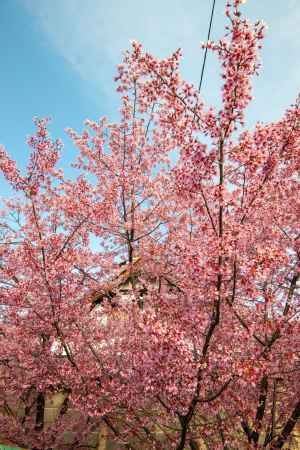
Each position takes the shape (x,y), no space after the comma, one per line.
(208,38)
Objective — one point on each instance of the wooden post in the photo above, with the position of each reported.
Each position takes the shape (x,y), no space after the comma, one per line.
(102,439)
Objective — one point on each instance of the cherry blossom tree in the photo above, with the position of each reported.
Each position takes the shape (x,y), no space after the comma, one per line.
(202,215)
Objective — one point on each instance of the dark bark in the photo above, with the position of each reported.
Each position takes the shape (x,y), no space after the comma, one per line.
(40,410)
(253,434)
(247,430)
(194,445)
(261,408)
(287,429)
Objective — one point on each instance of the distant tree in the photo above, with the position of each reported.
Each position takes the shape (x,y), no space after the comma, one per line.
(202,346)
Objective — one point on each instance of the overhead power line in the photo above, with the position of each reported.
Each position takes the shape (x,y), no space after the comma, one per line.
(208,38)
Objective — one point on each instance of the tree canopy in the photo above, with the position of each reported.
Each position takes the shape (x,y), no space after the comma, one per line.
(201,347)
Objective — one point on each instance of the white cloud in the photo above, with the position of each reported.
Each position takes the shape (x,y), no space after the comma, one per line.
(91,34)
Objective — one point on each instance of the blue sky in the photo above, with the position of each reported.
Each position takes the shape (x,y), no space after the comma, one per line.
(59,56)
